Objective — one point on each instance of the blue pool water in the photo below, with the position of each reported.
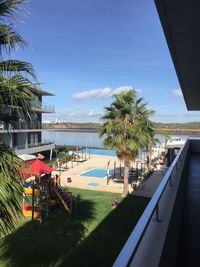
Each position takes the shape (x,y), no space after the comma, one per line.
(102,152)
(98,173)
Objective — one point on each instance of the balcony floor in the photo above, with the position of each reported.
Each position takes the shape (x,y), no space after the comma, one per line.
(189,246)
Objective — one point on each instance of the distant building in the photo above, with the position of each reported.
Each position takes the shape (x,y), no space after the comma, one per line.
(24,134)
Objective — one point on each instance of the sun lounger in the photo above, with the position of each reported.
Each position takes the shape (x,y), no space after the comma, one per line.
(118,180)
(121,180)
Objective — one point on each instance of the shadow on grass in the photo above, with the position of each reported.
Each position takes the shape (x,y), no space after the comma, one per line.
(103,245)
(60,236)
(61,242)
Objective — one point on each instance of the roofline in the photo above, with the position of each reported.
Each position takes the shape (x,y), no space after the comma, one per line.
(162,12)
(40,91)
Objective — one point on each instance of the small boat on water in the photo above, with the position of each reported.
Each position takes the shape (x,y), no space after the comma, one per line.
(175,142)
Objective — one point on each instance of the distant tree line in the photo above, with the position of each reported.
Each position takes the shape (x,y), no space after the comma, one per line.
(159,126)
(64,125)
(187,125)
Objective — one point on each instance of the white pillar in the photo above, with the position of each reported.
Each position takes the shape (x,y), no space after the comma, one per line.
(51,151)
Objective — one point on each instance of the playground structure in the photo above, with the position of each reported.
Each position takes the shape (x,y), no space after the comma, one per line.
(42,192)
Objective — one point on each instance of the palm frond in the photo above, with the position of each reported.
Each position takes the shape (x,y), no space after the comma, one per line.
(126,126)
(15,92)
(10,40)
(10,189)
(15,97)
(10,8)
(17,67)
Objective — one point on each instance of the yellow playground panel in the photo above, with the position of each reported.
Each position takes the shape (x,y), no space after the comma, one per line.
(29,191)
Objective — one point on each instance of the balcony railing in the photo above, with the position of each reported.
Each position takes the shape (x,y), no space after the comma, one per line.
(24,146)
(48,108)
(20,125)
(37,105)
(145,244)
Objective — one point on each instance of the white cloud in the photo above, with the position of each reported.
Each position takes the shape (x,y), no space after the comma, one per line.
(102,93)
(95,93)
(177,93)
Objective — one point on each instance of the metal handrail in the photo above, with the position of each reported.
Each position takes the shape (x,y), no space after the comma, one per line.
(48,108)
(20,125)
(130,248)
(43,143)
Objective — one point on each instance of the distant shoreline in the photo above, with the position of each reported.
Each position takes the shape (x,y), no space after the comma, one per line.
(180,131)
(95,130)
(87,130)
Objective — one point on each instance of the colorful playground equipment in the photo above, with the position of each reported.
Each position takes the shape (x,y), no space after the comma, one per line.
(42,192)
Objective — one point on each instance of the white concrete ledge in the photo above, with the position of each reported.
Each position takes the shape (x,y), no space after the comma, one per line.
(34,150)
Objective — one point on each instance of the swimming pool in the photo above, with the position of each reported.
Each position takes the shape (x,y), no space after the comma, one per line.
(104,152)
(97,173)
(95,151)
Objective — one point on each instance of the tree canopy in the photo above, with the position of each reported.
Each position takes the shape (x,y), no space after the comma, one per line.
(17,79)
(127,128)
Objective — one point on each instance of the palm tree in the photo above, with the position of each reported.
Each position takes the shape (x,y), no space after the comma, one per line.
(64,157)
(127,128)
(17,78)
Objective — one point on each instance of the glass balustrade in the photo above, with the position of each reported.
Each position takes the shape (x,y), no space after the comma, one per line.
(20,125)
(25,146)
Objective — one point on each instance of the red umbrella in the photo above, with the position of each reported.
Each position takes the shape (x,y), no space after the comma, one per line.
(40,167)
(26,171)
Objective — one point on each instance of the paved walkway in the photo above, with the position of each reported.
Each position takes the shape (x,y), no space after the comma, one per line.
(94,183)
(150,185)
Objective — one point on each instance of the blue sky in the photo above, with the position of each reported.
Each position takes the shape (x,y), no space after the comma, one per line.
(84,51)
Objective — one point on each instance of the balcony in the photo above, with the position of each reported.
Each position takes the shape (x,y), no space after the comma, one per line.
(168,233)
(44,108)
(47,108)
(34,148)
(20,126)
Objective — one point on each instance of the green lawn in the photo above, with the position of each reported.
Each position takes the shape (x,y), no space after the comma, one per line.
(92,236)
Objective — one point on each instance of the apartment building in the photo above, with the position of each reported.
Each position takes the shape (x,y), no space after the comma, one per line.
(24,134)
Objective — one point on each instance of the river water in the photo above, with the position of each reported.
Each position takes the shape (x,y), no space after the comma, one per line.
(79,138)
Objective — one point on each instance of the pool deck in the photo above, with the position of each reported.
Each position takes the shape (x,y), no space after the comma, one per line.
(94,183)
(150,185)
(95,161)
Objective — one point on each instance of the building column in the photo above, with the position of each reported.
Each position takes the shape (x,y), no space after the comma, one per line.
(26,142)
(11,140)
(50,157)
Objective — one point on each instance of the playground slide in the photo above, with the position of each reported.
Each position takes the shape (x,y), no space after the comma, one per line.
(63,197)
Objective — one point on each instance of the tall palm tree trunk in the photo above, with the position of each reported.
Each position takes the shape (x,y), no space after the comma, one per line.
(126,176)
